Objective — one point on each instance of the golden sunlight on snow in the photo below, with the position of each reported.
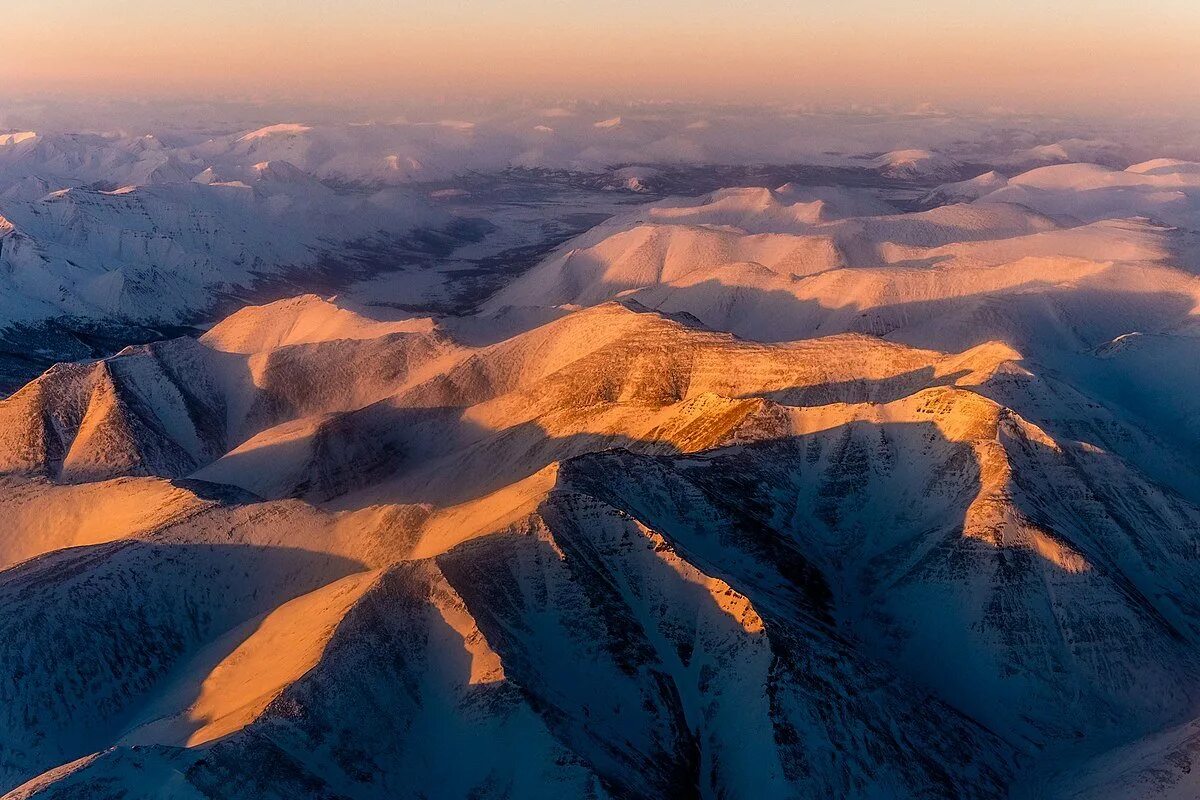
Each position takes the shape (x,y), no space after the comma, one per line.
(267,656)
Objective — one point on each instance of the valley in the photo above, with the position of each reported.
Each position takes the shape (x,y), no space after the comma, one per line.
(873,475)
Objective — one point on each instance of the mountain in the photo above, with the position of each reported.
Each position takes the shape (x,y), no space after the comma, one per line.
(164,254)
(916,163)
(966,191)
(167,408)
(814,491)
(843,439)
(1163,192)
(1071,150)
(949,277)
(678,669)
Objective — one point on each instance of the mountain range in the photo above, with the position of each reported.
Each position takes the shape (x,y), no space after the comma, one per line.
(886,488)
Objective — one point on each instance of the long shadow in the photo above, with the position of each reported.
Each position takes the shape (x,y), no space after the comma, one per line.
(1035,317)
(89,633)
(831,523)
(854,535)
(863,390)
(1009,629)
(563,611)
(165,386)
(384,454)
(393,709)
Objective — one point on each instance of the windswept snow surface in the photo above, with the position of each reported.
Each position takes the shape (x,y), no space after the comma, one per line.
(879,488)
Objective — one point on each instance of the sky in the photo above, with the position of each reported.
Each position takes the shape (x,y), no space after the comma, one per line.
(984,53)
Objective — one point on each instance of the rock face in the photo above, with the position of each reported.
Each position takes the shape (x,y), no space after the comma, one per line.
(769,494)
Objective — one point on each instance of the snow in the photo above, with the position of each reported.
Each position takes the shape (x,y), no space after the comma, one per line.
(254,664)
(767,492)
(16,137)
(968,190)
(307,319)
(915,162)
(165,253)
(281,129)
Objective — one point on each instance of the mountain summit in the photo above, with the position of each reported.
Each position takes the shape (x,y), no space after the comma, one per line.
(875,477)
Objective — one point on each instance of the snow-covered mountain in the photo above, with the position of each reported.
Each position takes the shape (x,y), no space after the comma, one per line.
(873,489)
(1096,252)
(155,254)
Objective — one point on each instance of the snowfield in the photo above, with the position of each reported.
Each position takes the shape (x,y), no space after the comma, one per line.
(886,488)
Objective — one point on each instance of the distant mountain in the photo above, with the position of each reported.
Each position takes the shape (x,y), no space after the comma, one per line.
(888,489)
(768,267)
(164,254)
(917,164)
(966,191)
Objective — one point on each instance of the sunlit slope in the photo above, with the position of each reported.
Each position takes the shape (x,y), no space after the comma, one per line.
(773,494)
(167,408)
(1065,256)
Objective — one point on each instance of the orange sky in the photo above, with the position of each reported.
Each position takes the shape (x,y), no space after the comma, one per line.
(1019,53)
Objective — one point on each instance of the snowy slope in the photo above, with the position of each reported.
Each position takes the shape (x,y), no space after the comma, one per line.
(1068,256)
(168,253)
(770,493)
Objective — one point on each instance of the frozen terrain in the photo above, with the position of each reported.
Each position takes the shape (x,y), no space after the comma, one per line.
(511,458)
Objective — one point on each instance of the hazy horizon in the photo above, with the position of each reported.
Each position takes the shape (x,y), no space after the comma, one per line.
(1071,56)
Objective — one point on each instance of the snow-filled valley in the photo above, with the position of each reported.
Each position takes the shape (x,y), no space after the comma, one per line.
(514,459)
